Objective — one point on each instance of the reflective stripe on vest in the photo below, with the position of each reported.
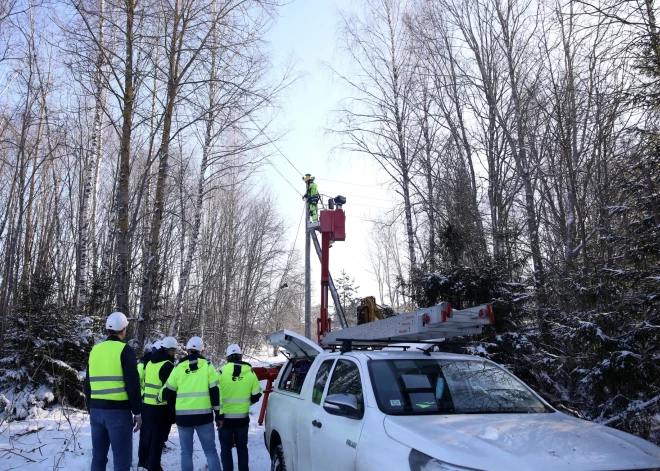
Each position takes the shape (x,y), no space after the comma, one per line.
(152,383)
(140,368)
(192,387)
(235,391)
(106,376)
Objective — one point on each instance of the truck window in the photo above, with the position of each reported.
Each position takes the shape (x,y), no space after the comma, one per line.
(346,379)
(294,375)
(320,380)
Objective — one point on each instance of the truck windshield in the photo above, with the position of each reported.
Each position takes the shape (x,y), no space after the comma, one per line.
(415,387)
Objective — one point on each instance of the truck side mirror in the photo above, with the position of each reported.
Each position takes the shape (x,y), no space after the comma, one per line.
(343,405)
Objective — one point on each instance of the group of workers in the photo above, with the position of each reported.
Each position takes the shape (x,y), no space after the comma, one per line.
(123,396)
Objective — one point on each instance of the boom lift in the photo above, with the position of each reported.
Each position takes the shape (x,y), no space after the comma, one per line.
(425,324)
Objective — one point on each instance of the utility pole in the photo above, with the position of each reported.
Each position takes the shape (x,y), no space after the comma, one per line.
(308,283)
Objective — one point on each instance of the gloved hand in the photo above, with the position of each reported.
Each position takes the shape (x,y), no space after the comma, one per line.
(218,424)
(137,422)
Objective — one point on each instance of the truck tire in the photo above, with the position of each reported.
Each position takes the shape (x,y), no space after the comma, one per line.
(277,459)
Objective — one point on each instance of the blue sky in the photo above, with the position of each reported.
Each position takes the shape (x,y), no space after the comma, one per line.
(306,31)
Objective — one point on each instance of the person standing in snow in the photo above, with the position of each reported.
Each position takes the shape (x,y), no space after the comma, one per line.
(112,394)
(157,416)
(239,388)
(193,388)
(145,445)
(142,363)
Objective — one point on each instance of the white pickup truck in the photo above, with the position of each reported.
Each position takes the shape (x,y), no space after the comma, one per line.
(367,410)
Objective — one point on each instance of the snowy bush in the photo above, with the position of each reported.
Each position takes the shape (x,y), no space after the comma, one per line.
(46,348)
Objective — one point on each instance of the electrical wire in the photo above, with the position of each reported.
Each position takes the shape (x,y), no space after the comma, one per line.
(287,159)
(368,205)
(293,247)
(285,179)
(348,183)
(355,196)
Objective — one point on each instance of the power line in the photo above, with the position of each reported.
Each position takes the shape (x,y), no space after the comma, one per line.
(368,205)
(348,183)
(287,159)
(280,173)
(356,196)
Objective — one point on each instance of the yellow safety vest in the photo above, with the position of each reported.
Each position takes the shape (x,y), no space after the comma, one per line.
(153,384)
(313,190)
(106,376)
(141,372)
(235,391)
(192,387)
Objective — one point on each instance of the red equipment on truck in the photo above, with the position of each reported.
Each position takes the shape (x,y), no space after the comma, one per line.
(430,323)
(332,226)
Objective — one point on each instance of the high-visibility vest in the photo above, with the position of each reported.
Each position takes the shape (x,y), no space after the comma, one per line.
(192,387)
(312,191)
(236,389)
(106,376)
(152,383)
(141,372)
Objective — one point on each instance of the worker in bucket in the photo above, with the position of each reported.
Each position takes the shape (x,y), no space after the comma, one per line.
(312,196)
(157,417)
(239,389)
(112,393)
(193,388)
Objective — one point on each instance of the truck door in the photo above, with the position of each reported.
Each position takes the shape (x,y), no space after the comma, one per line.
(310,412)
(334,439)
(286,408)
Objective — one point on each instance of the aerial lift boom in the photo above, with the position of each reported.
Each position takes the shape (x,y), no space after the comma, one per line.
(432,323)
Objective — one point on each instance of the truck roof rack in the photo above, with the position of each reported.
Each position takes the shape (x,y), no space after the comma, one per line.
(426,324)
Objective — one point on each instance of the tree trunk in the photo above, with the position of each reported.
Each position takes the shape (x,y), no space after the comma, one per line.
(152,264)
(123,262)
(90,176)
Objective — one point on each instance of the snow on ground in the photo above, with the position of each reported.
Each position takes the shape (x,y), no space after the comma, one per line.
(59,439)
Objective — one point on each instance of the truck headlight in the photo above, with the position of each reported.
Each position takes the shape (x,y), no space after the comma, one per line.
(419,461)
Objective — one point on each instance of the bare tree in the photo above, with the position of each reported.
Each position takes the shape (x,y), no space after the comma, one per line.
(379,120)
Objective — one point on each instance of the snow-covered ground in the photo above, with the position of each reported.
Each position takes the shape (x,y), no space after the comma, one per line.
(57,439)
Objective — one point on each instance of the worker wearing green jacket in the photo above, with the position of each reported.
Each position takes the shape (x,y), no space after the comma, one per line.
(193,388)
(112,394)
(239,389)
(157,417)
(312,196)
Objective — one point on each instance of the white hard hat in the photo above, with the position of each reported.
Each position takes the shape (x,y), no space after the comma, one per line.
(170,342)
(233,349)
(158,344)
(116,321)
(195,343)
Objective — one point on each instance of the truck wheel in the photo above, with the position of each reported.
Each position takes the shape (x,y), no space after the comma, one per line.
(277,459)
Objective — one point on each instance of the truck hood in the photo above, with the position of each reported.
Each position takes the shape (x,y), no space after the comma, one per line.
(524,442)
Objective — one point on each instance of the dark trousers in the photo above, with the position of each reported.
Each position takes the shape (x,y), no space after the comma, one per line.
(156,426)
(111,427)
(227,437)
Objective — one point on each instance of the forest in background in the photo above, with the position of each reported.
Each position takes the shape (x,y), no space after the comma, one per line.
(520,136)
(133,135)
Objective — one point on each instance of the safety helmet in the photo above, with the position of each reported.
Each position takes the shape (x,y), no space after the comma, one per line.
(170,342)
(195,343)
(158,344)
(308,178)
(233,349)
(116,321)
